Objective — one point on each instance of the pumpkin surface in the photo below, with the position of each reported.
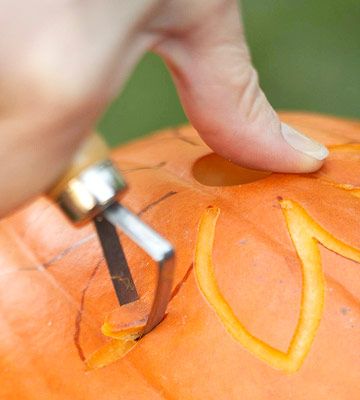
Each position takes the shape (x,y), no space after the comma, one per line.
(55,292)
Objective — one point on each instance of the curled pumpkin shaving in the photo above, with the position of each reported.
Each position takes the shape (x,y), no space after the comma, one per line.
(120,344)
(124,329)
(305,234)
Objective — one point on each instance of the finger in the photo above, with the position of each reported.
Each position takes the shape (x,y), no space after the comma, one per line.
(220,92)
(34,151)
(56,77)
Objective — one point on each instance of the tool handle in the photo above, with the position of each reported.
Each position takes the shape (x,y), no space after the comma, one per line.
(91,183)
(93,150)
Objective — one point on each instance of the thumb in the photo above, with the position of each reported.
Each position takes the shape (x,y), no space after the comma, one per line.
(220,92)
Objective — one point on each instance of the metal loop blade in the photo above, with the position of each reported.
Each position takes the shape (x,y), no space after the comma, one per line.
(159,249)
(118,267)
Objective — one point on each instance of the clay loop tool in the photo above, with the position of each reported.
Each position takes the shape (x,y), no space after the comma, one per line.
(90,190)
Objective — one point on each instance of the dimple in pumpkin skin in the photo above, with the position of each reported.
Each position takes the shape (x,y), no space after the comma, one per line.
(305,234)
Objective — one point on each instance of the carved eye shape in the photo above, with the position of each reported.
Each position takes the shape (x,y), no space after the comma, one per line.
(213,170)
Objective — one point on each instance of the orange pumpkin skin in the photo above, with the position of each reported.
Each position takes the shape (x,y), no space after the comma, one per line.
(55,292)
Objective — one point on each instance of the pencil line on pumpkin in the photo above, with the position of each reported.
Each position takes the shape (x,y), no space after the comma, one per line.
(345,292)
(142,168)
(68,250)
(183,280)
(36,218)
(78,319)
(179,135)
(22,269)
(156,202)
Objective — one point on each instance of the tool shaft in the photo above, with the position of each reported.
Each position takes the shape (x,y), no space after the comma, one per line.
(120,274)
(157,247)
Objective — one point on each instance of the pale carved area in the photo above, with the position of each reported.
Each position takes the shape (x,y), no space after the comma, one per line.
(306,234)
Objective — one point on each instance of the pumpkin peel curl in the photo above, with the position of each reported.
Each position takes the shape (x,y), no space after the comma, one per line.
(305,234)
(122,341)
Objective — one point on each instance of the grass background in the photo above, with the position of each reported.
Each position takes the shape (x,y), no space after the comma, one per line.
(307,54)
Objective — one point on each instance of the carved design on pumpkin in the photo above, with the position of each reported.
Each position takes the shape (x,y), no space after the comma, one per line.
(305,234)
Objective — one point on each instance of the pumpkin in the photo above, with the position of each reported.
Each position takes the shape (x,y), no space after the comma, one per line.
(266,297)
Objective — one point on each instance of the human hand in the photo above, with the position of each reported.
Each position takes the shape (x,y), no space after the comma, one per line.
(61,63)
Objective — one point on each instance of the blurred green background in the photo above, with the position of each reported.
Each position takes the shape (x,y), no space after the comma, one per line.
(307,54)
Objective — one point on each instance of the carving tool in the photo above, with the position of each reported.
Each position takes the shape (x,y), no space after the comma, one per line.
(89,190)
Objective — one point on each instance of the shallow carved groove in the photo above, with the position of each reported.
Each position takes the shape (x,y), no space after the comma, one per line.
(305,234)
